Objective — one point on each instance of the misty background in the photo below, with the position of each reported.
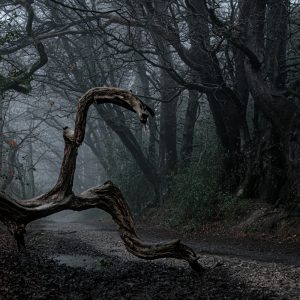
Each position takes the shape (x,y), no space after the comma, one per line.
(214,144)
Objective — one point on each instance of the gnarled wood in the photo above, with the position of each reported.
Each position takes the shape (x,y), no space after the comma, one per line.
(16,214)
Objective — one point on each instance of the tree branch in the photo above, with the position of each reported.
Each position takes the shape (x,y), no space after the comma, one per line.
(20,83)
(17,214)
(223,30)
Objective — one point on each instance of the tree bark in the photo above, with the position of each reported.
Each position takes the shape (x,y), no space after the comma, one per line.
(168,110)
(278,124)
(130,142)
(276,42)
(225,105)
(145,91)
(168,124)
(189,126)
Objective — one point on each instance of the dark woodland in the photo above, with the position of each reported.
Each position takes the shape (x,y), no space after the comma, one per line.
(173,125)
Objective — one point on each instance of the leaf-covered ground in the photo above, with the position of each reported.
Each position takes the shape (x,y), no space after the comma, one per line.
(38,275)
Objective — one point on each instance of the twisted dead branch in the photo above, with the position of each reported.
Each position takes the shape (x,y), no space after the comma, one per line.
(16,214)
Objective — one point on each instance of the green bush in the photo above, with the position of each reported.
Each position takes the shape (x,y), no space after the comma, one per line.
(194,192)
(136,189)
(195,195)
(232,208)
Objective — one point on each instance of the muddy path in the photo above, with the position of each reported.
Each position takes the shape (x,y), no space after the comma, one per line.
(247,248)
(270,250)
(89,261)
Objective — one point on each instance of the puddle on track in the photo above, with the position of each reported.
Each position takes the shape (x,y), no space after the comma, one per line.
(82,261)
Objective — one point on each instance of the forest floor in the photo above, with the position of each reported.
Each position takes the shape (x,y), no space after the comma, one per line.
(88,261)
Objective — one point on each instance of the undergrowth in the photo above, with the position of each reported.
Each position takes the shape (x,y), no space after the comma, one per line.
(195,195)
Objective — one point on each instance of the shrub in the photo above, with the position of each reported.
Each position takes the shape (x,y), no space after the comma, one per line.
(194,193)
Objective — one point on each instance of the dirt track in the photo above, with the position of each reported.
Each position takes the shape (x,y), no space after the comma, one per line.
(98,267)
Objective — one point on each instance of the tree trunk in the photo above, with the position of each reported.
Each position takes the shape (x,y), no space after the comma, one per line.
(1,135)
(293,157)
(225,105)
(189,126)
(168,111)
(133,147)
(145,91)
(168,124)
(9,174)
(273,173)
(30,172)
(276,41)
